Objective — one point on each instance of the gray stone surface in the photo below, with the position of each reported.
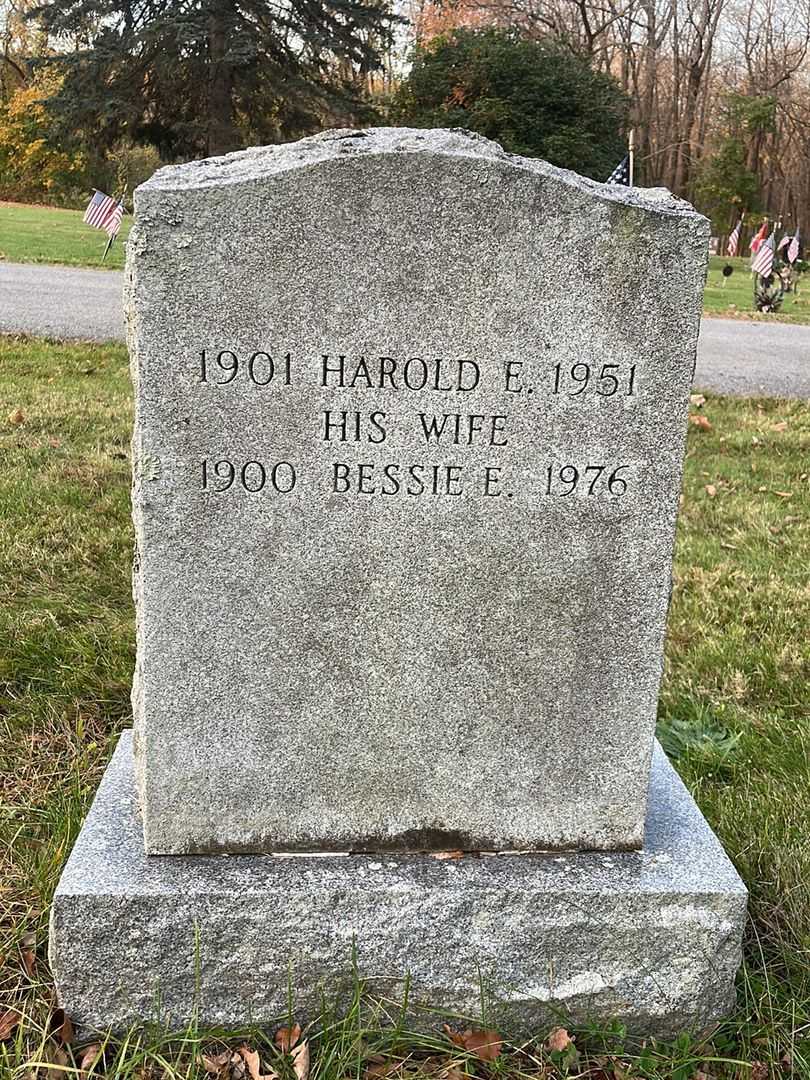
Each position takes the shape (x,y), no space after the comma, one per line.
(359,662)
(652,938)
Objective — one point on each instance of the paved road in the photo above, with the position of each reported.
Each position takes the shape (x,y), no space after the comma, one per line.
(753,359)
(61,301)
(734,357)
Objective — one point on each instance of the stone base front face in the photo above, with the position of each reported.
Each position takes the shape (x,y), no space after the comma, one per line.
(650,938)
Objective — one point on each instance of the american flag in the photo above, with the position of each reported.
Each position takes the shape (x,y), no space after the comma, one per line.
(104,212)
(734,240)
(793,248)
(621,174)
(756,241)
(763,260)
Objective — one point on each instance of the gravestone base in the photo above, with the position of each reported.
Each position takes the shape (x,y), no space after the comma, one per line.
(651,938)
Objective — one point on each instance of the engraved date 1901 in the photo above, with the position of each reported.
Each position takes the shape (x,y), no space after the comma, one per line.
(259,368)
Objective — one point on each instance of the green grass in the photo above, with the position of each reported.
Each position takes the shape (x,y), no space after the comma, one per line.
(733,297)
(41,234)
(733,709)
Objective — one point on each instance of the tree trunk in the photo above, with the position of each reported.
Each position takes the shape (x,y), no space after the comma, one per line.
(223,136)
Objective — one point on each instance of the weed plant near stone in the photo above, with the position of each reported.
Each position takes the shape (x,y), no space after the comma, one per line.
(733,714)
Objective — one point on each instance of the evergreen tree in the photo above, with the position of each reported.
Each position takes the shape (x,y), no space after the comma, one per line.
(210,76)
(534,97)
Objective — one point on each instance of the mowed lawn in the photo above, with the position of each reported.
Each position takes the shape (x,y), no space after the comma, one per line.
(41,234)
(733,297)
(734,714)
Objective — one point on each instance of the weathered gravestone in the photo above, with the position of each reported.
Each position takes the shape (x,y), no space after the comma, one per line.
(410,427)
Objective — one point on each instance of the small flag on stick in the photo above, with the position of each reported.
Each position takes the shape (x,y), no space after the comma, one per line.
(621,174)
(794,247)
(756,241)
(105,212)
(734,240)
(763,260)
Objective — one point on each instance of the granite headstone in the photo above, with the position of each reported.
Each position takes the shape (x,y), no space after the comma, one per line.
(410,422)
(410,428)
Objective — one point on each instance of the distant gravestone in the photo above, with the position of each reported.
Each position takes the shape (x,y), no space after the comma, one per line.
(410,422)
(404,508)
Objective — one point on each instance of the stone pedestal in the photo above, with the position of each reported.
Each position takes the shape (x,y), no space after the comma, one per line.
(650,937)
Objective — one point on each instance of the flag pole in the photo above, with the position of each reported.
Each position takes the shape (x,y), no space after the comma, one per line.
(107,248)
(630,148)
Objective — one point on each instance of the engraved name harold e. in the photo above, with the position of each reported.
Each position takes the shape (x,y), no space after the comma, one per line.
(260,367)
(339,371)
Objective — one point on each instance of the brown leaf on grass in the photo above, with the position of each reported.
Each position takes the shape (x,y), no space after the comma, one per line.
(55,1060)
(781,426)
(90,1057)
(784,494)
(300,1060)
(382,1068)
(287,1041)
(251,1059)
(215,1063)
(62,1027)
(54,444)
(558,1039)
(711,490)
(286,1038)
(453,1072)
(697,400)
(759,1070)
(447,854)
(486,1045)
(29,956)
(8,1023)
(16,417)
(700,421)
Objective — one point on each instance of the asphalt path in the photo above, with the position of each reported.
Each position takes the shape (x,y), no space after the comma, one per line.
(750,359)
(61,302)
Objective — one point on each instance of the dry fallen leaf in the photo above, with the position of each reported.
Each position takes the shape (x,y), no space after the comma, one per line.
(447,854)
(29,959)
(382,1068)
(300,1060)
(90,1056)
(286,1039)
(781,426)
(558,1039)
(16,417)
(697,400)
(251,1059)
(759,1070)
(8,1022)
(215,1063)
(486,1045)
(62,1027)
(784,494)
(711,490)
(700,421)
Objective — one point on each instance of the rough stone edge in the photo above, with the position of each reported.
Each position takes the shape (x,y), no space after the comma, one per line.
(341,144)
(682,882)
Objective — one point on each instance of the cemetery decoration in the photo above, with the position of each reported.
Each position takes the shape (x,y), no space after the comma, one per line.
(404,505)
